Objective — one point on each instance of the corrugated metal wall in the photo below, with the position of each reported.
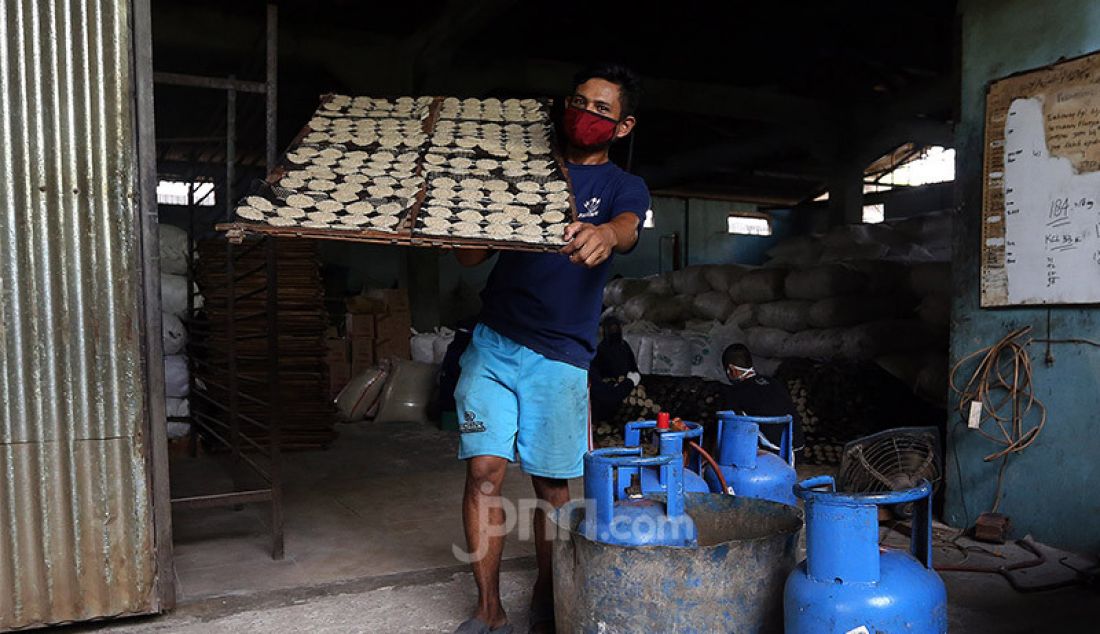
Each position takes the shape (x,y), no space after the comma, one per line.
(75,527)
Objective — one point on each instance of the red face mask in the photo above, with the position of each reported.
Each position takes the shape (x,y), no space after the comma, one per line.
(587,129)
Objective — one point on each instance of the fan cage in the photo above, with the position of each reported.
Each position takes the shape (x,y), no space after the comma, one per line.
(892,460)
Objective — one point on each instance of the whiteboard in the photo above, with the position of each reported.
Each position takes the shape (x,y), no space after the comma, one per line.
(1041,202)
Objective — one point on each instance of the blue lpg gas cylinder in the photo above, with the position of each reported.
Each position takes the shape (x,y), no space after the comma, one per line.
(629,518)
(670,443)
(749,471)
(847,584)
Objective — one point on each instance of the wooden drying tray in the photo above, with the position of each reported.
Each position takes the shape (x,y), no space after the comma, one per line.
(236,232)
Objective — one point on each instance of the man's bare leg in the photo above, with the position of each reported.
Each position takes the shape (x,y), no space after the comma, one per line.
(556,493)
(483,518)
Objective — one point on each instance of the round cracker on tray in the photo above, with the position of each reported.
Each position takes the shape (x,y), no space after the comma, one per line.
(250,213)
(355,220)
(499,230)
(279,221)
(385,221)
(293,213)
(329,206)
(466,229)
(435,222)
(259,202)
(528,198)
(360,207)
(300,201)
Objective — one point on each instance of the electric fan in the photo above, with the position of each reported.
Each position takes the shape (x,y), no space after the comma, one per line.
(892,460)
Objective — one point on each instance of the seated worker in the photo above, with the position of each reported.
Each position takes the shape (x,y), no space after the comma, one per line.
(614,358)
(613,373)
(754,394)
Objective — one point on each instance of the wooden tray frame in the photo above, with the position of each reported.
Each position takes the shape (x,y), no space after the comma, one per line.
(405,235)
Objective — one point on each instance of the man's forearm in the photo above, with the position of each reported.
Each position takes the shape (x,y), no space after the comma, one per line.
(625,229)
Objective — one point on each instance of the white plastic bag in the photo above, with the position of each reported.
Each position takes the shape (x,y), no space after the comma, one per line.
(659,284)
(707,350)
(690,281)
(177,407)
(701,351)
(423,347)
(659,309)
(635,308)
(641,344)
(768,342)
(792,315)
(407,392)
(173,294)
(172,333)
(361,393)
(744,316)
(713,305)
(761,285)
(618,291)
(722,277)
(177,380)
(671,355)
(173,250)
(442,342)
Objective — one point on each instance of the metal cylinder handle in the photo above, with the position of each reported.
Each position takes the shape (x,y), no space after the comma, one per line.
(786,444)
(920,544)
(627,457)
(599,477)
(806,490)
(633,435)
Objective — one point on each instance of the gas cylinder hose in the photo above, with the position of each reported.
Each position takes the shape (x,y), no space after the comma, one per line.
(713,465)
(1002,388)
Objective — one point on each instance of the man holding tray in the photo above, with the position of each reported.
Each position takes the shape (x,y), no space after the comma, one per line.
(523,390)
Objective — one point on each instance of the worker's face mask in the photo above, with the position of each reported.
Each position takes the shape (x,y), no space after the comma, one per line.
(587,130)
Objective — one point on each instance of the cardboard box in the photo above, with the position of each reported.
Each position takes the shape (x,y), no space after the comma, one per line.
(393,326)
(379,300)
(364,304)
(337,350)
(396,300)
(359,325)
(392,348)
(362,354)
(338,363)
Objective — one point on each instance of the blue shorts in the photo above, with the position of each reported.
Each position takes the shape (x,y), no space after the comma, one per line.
(513,401)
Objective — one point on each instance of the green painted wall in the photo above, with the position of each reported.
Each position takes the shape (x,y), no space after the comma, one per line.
(1050,488)
(645,259)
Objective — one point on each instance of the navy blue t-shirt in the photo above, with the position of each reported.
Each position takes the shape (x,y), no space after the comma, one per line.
(545,302)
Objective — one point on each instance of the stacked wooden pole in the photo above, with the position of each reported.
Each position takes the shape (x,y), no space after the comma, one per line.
(240,329)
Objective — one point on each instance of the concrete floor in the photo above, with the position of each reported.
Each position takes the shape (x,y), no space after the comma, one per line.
(384,499)
(370,529)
